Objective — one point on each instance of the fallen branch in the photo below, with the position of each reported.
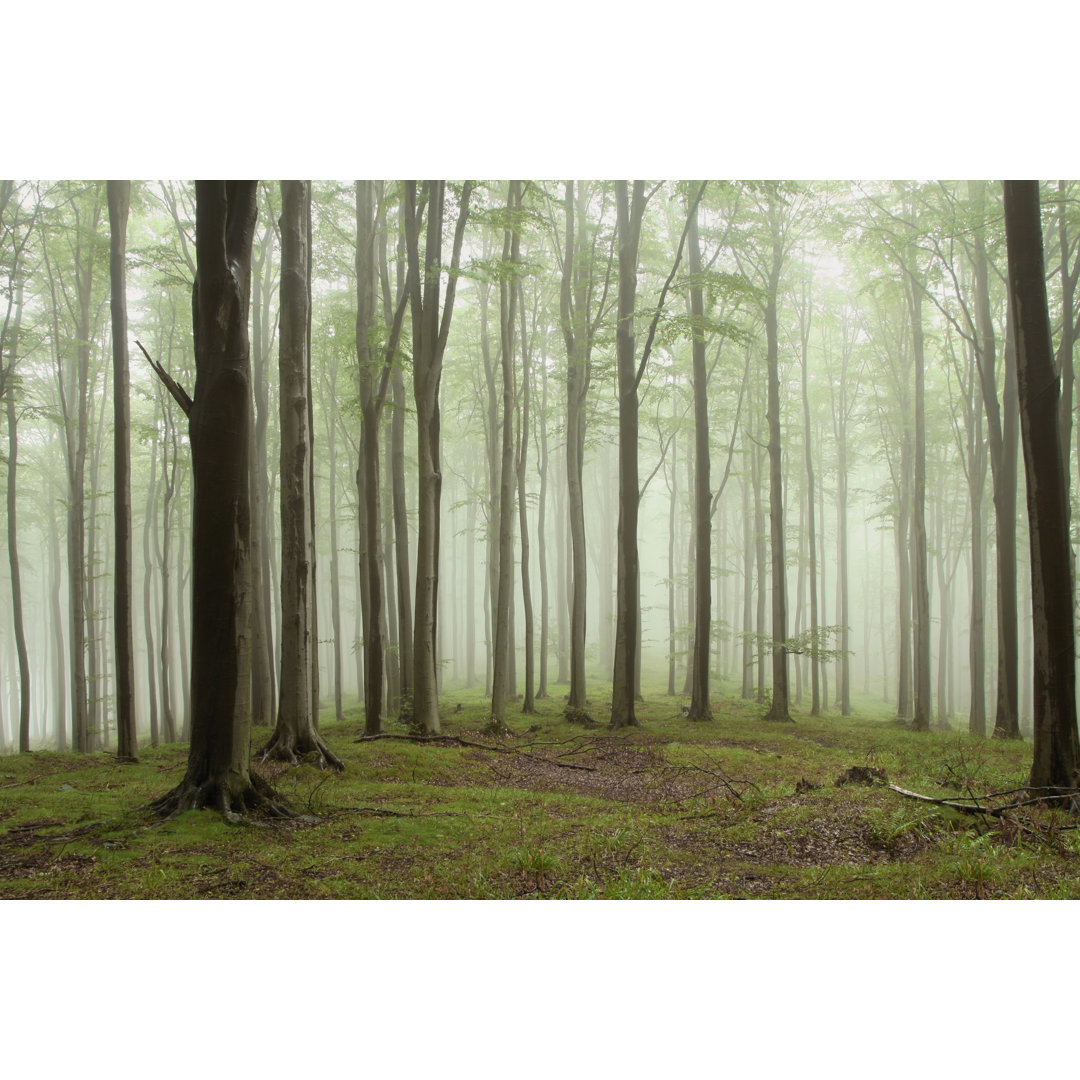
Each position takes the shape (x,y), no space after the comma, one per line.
(180,395)
(974,807)
(456,740)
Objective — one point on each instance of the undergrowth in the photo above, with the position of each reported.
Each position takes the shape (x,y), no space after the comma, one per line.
(737,808)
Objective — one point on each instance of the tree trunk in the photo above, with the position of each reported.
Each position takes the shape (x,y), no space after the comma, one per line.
(119,198)
(699,694)
(1056,750)
(367,471)
(631,210)
(7,391)
(218,773)
(779,709)
(295,734)
(574,314)
(263,678)
(430,331)
(528,706)
(920,582)
(503,592)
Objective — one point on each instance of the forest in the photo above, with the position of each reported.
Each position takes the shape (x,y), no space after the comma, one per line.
(439,462)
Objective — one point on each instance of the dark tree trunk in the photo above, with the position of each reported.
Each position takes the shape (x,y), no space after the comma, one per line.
(218,773)
(1056,750)
(119,198)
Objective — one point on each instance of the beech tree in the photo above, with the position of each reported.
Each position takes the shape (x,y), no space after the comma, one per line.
(218,773)
(296,734)
(1057,748)
(430,329)
(119,200)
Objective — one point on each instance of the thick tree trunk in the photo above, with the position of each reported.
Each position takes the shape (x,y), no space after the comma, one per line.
(218,772)
(296,734)
(119,198)
(1056,750)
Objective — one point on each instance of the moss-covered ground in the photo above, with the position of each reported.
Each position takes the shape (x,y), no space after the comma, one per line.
(732,808)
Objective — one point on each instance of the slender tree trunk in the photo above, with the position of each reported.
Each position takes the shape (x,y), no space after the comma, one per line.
(815,686)
(748,578)
(119,199)
(631,210)
(7,390)
(577,335)
(430,331)
(920,583)
(541,541)
(296,734)
(779,709)
(503,593)
(263,675)
(1057,750)
(904,705)
(528,706)
(699,696)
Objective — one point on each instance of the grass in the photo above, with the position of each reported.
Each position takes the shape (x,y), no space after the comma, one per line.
(736,808)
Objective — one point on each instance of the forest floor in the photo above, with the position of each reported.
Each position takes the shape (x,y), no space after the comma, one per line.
(732,808)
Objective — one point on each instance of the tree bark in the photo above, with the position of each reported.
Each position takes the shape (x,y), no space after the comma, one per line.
(1057,750)
(920,579)
(631,210)
(218,773)
(295,735)
(699,693)
(430,330)
(119,199)
(503,593)
(779,709)
(7,391)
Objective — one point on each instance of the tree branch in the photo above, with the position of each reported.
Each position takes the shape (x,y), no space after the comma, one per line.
(180,395)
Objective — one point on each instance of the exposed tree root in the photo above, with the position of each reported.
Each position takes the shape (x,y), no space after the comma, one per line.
(285,745)
(214,794)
